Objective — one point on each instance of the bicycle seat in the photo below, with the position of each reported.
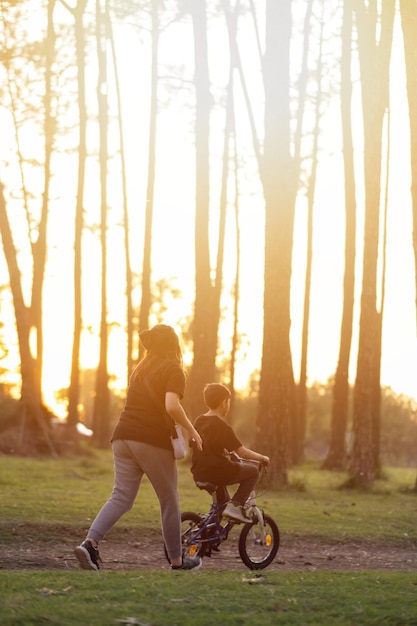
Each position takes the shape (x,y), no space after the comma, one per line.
(210,487)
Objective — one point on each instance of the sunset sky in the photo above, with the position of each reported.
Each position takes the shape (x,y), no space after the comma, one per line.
(173,245)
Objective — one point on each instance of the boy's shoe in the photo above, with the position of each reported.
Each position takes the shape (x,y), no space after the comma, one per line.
(87,555)
(189,562)
(236,513)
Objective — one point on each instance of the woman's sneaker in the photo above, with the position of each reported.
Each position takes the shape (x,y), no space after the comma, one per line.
(87,555)
(189,562)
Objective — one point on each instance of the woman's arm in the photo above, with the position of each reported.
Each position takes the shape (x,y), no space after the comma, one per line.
(176,411)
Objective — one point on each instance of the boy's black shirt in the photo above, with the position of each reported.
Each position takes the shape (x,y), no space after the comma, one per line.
(212,464)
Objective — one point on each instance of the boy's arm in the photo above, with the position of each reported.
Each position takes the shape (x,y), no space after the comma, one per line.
(246,453)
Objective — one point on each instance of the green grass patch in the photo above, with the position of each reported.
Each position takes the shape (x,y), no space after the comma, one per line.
(65,495)
(386,512)
(206,598)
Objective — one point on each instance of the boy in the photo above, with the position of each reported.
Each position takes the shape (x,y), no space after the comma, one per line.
(212,463)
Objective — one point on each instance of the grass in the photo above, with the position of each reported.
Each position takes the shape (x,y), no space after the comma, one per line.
(325,509)
(70,491)
(207,598)
(44,499)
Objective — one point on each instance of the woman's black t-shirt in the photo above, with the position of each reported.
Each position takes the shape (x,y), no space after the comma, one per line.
(142,419)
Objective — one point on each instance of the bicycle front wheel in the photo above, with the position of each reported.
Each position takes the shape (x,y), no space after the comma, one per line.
(259,543)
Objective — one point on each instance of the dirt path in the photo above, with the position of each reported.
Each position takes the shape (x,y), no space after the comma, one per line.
(295,554)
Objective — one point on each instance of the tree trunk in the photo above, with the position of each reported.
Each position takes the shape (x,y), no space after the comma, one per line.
(232,21)
(146,300)
(336,455)
(277,390)
(39,247)
(31,410)
(101,415)
(203,330)
(236,299)
(300,431)
(409,28)
(298,423)
(74,388)
(130,326)
(374,59)
(35,416)
(236,293)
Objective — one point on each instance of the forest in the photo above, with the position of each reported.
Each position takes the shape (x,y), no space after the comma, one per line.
(243,170)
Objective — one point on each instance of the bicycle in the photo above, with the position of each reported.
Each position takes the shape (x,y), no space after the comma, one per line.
(202,534)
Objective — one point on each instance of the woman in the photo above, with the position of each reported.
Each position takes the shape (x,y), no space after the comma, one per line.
(141,445)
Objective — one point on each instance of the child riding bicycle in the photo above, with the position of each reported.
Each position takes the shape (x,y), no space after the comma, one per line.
(213,463)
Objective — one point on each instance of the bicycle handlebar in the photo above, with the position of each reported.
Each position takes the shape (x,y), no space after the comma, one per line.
(235,457)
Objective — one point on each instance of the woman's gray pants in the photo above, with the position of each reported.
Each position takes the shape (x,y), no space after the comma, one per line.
(133,459)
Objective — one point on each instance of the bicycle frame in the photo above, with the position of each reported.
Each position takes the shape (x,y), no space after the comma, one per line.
(211,531)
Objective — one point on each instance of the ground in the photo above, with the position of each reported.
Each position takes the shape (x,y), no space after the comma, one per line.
(134,553)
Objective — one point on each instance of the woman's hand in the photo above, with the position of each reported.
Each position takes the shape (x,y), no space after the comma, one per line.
(195,438)
(175,409)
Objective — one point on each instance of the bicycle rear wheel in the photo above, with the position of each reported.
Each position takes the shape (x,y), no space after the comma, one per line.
(191,546)
(189,526)
(259,543)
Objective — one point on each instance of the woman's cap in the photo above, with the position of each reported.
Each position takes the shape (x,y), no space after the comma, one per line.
(159,337)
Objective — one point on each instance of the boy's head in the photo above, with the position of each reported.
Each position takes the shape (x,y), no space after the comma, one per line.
(214,394)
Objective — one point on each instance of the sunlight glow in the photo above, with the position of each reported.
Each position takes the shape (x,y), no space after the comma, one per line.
(173,237)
